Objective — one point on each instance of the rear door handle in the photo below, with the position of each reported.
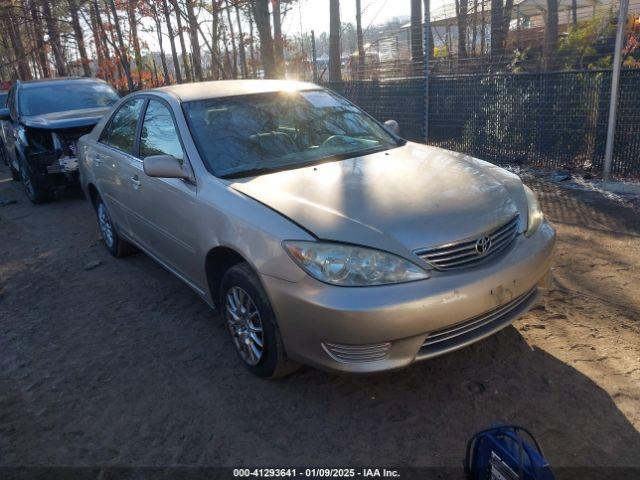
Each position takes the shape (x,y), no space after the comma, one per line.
(97,160)
(136,182)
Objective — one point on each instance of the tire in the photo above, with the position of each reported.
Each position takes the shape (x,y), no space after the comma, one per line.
(15,174)
(117,246)
(32,187)
(240,289)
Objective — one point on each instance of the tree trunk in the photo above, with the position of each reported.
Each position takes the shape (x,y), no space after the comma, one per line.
(550,34)
(215,38)
(165,68)
(124,58)
(195,42)
(497,39)
(483,31)
(24,72)
(261,15)
(133,28)
(172,41)
(506,22)
(335,53)
(417,51)
(39,39)
(79,36)
(462,8)
(278,42)
(360,40)
(232,35)
(185,57)
(54,39)
(427,14)
(252,50)
(243,53)
(474,31)
(574,13)
(99,37)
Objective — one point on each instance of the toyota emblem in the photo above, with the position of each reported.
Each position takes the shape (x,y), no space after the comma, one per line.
(483,245)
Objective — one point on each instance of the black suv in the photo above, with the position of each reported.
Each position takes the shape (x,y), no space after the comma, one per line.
(41,125)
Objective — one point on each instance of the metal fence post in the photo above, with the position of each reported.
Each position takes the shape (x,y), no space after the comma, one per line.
(426,33)
(615,83)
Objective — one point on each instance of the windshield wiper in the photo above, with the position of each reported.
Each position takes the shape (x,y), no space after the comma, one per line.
(252,172)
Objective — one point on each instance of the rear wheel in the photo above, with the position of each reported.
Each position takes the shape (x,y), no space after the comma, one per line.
(251,322)
(32,187)
(117,246)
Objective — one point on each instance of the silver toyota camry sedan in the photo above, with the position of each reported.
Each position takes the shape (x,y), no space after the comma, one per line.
(321,236)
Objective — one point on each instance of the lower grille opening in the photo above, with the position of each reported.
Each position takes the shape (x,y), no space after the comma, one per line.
(460,334)
(357,353)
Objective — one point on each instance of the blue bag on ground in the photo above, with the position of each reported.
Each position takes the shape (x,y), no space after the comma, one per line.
(501,453)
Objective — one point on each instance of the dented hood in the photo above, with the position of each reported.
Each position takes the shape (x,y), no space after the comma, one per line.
(402,199)
(85,117)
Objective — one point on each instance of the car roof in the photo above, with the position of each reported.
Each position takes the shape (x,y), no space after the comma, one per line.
(188,92)
(46,81)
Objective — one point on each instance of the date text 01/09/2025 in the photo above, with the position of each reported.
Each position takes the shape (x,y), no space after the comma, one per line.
(315,473)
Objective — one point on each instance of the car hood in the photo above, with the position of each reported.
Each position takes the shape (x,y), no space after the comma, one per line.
(410,197)
(69,119)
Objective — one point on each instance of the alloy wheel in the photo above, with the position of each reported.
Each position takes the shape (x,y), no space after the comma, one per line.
(244,323)
(104,222)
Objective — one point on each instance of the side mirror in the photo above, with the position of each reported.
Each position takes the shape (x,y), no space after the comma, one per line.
(392,126)
(165,166)
(4,114)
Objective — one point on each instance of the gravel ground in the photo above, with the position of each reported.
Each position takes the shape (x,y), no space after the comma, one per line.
(116,362)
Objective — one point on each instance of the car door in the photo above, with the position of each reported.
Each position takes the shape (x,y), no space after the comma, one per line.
(163,209)
(113,159)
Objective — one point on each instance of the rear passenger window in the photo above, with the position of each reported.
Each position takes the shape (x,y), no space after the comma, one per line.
(121,131)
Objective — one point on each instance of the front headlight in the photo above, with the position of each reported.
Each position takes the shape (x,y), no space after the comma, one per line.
(350,266)
(534,216)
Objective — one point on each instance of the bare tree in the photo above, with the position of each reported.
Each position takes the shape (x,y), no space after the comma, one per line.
(359,39)
(195,43)
(335,53)
(132,6)
(39,38)
(79,36)
(417,52)
(550,33)
(172,41)
(462,8)
(263,23)
(54,39)
(278,41)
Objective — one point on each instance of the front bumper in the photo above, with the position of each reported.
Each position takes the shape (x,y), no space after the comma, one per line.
(372,329)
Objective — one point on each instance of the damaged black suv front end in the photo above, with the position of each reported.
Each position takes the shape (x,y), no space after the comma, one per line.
(41,126)
(50,150)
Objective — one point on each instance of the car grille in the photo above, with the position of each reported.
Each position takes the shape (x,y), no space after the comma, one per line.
(460,333)
(357,353)
(468,253)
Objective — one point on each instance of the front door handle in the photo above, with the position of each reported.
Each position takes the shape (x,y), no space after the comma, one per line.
(136,182)
(97,160)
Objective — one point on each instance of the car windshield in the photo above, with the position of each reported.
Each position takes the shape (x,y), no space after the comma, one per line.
(62,97)
(253,134)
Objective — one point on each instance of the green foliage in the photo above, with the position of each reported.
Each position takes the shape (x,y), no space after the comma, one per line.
(583,45)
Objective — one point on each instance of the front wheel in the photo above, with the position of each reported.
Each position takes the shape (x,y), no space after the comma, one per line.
(35,192)
(117,246)
(251,323)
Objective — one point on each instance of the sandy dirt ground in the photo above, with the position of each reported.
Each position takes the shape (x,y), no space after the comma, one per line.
(122,364)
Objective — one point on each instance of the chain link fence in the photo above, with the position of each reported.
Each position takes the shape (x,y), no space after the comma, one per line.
(523,105)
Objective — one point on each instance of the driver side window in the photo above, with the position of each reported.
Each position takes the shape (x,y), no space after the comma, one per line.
(121,131)
(159,135)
